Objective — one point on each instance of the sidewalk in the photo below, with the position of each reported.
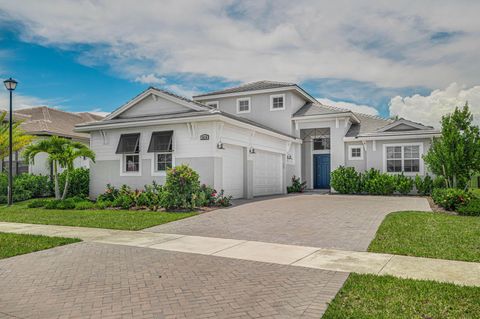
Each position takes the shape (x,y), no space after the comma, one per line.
(458,272)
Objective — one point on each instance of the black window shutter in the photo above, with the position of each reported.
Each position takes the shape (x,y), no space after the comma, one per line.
(161,142)
(128,144)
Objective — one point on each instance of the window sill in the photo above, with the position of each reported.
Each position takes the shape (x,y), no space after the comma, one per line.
(130,174)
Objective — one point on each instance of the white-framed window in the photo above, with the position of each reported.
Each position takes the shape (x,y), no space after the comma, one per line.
(132,163)
(403,158)
(243,105)
(355,152)
(129,148)
(213,104)
(161,145)
(277,102)
(163,161)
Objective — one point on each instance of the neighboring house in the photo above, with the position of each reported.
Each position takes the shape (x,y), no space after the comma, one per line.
(248,140)
(44,122)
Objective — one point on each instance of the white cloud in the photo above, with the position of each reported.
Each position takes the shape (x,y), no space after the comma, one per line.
(19,101)
(99,112)
(359,108)
(374,41)
(150,79)
(429,109)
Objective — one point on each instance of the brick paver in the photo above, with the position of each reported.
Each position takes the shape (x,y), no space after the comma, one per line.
(328,221)
(93,280)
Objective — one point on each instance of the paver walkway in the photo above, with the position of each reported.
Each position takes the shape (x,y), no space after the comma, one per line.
(465,273)
(329,221)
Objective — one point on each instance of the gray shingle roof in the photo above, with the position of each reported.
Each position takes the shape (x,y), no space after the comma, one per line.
(252,86)
(318,109)
(368,124)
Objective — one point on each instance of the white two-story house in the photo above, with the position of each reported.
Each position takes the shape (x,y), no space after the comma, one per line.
(248,140)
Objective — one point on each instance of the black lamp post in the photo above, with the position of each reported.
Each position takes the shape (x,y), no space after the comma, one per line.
(10,84)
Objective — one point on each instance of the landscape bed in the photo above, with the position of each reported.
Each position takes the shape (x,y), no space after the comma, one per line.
(111,219)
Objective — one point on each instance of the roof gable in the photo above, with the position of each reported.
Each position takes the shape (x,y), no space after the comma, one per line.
(403,125)
(154,101)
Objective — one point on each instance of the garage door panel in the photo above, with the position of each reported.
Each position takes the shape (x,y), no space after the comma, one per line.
(233,171)
(267,174)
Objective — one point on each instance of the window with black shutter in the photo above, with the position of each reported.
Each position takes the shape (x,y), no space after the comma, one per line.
(129,144)
(161,145)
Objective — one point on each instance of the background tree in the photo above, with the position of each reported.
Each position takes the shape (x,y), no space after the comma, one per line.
(456,154)
(20,138)
(61,153)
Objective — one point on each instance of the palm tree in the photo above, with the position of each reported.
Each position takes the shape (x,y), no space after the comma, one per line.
(61,153)
(20,138)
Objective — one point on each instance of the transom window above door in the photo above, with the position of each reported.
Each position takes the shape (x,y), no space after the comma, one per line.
(321,143)
(403,158)
(243,105)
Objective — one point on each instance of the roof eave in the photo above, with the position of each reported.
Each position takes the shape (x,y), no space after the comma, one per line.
(279,89)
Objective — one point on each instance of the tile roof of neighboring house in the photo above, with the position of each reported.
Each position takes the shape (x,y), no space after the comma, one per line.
(252,86)
(44,120)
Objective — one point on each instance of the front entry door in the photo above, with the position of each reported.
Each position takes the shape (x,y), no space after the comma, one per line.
(321,171)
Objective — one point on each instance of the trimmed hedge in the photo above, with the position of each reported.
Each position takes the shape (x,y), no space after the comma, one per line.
(451,198)
(470,209)
(346,180)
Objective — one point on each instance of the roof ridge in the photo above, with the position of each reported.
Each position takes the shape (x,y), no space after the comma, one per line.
(180,97)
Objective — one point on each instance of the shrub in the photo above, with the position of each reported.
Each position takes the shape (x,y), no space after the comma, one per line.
(439,182)
(375,183)
(109,195)
(83,205)
(345,180)
(79,182)
(103,204)
(123,201)
(37,203)
(470,209)
(207,196)
(424,185)
(403,184)
(222,200)
(60,204)
(38,185)
(451,198)
(297,186)
(181,188)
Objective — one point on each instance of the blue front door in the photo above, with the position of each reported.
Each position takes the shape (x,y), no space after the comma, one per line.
(321,171)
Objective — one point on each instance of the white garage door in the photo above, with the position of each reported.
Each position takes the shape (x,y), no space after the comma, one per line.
(233,171)
(267,173)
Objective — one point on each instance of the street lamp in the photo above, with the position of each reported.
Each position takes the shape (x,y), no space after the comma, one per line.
(10,84)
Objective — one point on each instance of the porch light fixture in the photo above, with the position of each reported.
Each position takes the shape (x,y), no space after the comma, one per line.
(220,146)
(289,156)
(251,150)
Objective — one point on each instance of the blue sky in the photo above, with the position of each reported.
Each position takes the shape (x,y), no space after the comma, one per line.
(408,59)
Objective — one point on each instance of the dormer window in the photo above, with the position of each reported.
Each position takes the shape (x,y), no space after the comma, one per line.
(277,102)
(243,105)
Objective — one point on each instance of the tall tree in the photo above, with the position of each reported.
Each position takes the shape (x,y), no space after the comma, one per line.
(61,153)
(456,154)
(20,138)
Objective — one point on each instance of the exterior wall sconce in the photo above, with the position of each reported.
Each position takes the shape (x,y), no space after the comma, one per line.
(220,146)
(289,156)
(251,150)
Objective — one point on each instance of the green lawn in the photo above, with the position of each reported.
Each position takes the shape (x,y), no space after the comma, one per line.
(370,296)
(18,244)
(434,235)
(113,219)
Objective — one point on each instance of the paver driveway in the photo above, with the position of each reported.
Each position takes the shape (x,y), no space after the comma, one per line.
(328,221)
(92,280)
